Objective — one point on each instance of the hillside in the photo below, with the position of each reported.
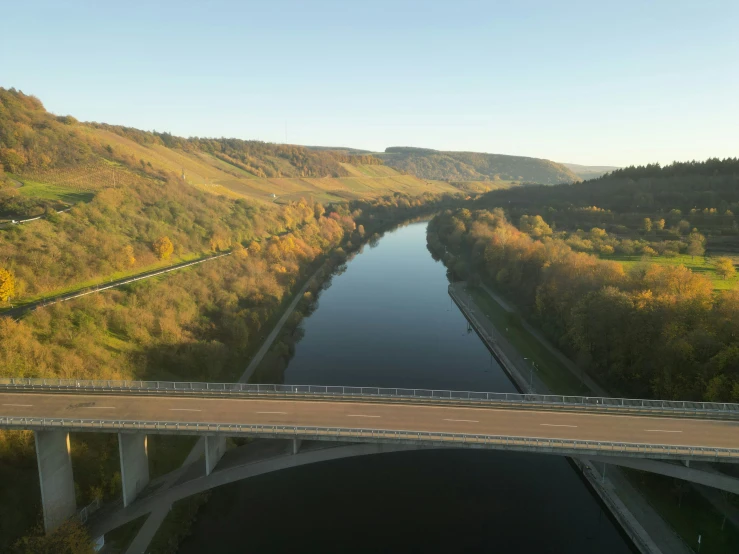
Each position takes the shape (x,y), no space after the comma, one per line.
(49,161)
(586,172)
(474,166)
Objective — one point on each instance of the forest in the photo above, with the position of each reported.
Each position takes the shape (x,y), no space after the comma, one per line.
(197,324)
(648,331)
(475,166)
(703,194)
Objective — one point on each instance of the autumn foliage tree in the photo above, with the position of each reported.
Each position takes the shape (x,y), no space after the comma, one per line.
(69,538)
(725,267)
(654,330)
(7,285)
(163,248)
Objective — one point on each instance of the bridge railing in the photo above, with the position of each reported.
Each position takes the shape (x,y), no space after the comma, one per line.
(671,407)
(565,446)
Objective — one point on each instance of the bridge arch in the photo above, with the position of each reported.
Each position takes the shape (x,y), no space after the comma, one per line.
(270,455)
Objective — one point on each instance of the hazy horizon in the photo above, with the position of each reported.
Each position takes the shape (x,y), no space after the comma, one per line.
(575,83)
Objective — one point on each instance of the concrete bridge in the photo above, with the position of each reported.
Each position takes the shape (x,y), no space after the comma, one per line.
(645,434)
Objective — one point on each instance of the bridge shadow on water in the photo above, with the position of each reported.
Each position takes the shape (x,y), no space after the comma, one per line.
(418,501)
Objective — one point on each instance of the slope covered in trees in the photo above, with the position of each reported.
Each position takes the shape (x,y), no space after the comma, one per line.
(601,266)
(652,331)
(138,211)
(475,166)
(68,156)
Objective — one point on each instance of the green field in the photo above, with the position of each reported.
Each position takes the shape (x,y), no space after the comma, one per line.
(551,371)
(33,189)
(698,264)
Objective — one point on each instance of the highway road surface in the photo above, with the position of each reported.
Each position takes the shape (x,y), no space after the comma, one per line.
(372,415)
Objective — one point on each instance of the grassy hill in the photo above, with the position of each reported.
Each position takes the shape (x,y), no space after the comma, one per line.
(49,161)
(474,166)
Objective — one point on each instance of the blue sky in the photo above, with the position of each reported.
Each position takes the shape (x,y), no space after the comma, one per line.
(593,82)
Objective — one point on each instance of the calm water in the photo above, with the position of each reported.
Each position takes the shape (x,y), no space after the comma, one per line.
(388,321)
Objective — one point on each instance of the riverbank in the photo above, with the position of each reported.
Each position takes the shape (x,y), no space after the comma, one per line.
(658,538)
(387,320)
(167,519)
(691,511)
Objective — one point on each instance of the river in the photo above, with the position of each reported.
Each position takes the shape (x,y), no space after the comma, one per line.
(388,321)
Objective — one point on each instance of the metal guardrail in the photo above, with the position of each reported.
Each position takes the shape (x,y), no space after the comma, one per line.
(84,513)
(501,399)
(579,447)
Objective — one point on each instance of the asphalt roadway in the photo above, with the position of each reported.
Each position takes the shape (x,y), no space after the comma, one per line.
(372,415)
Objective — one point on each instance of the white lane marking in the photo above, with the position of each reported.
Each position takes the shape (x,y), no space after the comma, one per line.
(661,431)
(19,405)
(184,410)
(271,412)
(465,420)
(361,415)
(98,407)
(557,425)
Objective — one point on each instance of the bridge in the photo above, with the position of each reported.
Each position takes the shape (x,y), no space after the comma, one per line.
(645,434)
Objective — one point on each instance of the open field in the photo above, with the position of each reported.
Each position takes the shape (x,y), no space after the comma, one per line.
(47,191)
(698,264)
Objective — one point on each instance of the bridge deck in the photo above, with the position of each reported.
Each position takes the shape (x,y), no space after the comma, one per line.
(616,428)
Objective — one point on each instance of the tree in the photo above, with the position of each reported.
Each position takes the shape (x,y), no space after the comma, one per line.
(659,224)
(128,255)
(240,251)
(695,244)
(69,538)
(535,226)
(725,267)
(163,248)
(597,233)
(647,224)
(7,285)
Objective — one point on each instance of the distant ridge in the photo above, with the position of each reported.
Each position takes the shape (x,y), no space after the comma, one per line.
(586,172)
(426,163)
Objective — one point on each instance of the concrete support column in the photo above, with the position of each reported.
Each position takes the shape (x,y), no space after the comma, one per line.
(215,446)
(55,477)
(296,445)
(134,455)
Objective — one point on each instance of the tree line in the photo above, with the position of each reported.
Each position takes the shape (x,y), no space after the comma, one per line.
(197,324)
(655,331)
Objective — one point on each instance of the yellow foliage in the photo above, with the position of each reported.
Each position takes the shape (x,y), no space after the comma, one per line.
(240,251)
(7,285)
(163,248)
(128,255)
(220,241)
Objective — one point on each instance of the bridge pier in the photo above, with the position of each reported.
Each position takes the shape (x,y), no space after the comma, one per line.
(296,445)
(134,456)
(215,447)
(55,477)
